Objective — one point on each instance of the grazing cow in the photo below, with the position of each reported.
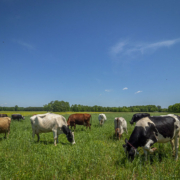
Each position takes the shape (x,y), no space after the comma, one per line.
(44,123)
(149,130)
(79,119)
(138,116)
(17,116)
(3,115)
(5,125)
(102,118)
(120,125)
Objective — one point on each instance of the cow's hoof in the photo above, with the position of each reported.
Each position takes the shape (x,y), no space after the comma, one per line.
(152,150)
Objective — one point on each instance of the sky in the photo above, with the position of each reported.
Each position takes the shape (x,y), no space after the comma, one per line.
(98,52)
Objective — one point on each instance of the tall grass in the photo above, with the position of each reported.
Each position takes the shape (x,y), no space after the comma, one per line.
(97,154)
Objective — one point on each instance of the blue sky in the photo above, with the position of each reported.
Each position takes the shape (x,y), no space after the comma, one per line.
(106,53)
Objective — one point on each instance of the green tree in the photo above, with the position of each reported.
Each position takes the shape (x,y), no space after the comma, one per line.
(16,108)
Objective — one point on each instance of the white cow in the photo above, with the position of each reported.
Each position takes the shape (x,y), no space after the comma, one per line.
(44,123)
(102,118)
(120,125)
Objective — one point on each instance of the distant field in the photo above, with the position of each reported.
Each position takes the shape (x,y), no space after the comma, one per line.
(96,155)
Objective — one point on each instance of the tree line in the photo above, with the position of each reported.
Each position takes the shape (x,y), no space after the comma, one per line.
(174,108)
(16,108)
(62,106)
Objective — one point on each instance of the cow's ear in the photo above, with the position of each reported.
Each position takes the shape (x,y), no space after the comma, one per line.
(124,145)
(126,141)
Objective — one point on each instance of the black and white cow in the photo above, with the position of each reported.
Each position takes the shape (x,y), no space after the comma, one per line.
(138,116)
(149,130)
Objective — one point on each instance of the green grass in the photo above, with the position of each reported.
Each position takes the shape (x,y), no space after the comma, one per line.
(96,155)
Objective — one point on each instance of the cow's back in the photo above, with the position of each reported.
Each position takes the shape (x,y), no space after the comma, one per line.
(79,119)
(166,125)
(48,122)
(76,118)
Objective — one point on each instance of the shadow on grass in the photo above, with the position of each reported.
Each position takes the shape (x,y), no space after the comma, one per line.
(51,142)
(43,142)
(114,137)
(80,129)
(158,156)
(68,144)
(2,138)
(97,126)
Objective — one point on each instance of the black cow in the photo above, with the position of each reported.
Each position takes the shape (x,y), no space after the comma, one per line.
(138,116)
(17,116)
(149,130)
(3,115)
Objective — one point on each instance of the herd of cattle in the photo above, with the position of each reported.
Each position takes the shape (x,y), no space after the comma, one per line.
(147,131)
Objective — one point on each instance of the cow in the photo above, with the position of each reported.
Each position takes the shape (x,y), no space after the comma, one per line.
(5,125)
(44,123)
(102,118)
(79,119)
(120,125)
(17,116)
(3,115)
(138,116)
(149,130)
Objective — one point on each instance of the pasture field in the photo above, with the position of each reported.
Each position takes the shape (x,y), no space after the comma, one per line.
(97,154)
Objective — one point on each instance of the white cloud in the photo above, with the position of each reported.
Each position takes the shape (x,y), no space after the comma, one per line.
(127,48)
(24,44)
(108,90)
(118,47)
(138,92)
(125,88)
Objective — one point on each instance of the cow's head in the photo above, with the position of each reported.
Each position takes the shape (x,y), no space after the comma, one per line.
(23,117)
(138,116)
(129,150)
(70,137)
(101,122)
(69,134)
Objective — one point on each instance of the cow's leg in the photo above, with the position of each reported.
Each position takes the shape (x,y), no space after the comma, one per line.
(145,152)
(8,133)
(120,136)
(55,136)
(172,145)
(38,137)
(33,134)
(126,130)
(176,146)
(57,139)
(147,147)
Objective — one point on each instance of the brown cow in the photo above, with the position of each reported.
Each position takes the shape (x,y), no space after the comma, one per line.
(79,119)
(5,125)
(3,115)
